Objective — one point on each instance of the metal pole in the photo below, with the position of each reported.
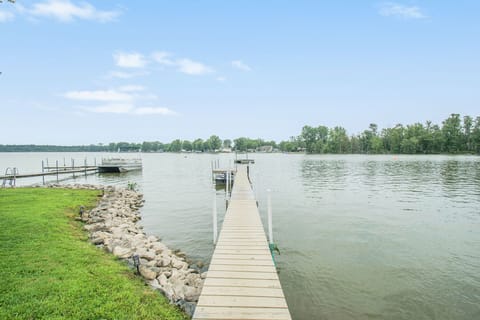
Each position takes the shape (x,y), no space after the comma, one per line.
(56,165)
(269,210)
(226,183)
(43,170)
(73,167)
(85,165)
(215,231)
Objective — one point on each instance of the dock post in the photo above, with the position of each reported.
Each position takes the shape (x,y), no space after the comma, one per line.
(73,167)
(215,226)
(226,183)
(43,170)
(85,166)
(269,212)
(56,165)
(213,176)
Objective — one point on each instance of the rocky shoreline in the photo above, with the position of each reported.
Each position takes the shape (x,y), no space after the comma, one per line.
(112,225)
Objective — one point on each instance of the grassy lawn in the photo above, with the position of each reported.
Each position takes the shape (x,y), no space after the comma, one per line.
(49,271)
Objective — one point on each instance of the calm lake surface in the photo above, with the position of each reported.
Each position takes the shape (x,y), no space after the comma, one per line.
(361,237)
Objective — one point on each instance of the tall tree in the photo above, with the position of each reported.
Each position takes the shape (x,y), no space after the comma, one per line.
(214,142)
(452,133)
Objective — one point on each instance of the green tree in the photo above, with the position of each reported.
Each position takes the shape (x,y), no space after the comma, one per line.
(214,143)
(240,144)
(309,137)
(198,145)
(175,146)
(227,143)
(467,132)
(187,145)
(476,136)
(452,133)
(337,141)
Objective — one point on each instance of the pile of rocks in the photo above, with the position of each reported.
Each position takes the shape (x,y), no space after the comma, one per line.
(113,225)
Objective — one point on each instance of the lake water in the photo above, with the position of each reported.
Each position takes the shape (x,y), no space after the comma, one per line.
(361,237)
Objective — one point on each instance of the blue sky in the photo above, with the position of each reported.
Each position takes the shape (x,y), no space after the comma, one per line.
(76,72)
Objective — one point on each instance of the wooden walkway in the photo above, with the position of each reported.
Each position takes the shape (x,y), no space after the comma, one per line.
(242,281)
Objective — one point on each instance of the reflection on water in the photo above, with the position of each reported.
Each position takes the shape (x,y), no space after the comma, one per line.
(361,237)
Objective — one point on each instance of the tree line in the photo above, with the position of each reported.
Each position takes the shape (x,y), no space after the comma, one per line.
(456,134)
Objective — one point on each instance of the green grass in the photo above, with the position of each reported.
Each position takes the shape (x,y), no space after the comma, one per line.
(48,270)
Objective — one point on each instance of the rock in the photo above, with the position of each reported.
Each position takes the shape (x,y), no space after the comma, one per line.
(162,279)
(147,273)
(188,307)
(178,291)
(191,278)
(146,254)
(152,263)
(158,247)
(164,261)
(122,252)
(203,275)
(155,284)
(191,293)
(97,241)
(167,291)
(152,239)
(178,264)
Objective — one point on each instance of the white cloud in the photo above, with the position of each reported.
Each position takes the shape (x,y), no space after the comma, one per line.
(131,88)
(6,16)
(391,9)
(191,67)
(111,108)
(126,75)
(239,64)
(151,111)
(67,11)
(162,58)
(221,79)
(122,100)
(98,95)
(130,109)
(129,60)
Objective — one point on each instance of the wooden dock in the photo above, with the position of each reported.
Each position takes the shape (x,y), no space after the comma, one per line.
(242,280)
(61,170)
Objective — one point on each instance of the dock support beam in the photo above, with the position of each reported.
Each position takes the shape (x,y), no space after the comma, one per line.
(269,212)
(215,224)
(43,171)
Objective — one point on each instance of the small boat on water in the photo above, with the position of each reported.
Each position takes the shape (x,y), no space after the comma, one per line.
(222,177)
(120,165)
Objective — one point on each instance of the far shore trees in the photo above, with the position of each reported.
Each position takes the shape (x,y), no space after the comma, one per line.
(456,135)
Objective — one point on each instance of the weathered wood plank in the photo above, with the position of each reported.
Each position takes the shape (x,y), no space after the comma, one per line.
(237,267)
(242,291)
(249,283)
(241,301)
(232,313)
(243,275)
(242,262)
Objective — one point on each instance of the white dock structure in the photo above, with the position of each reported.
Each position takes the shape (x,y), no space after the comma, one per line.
(242,280)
